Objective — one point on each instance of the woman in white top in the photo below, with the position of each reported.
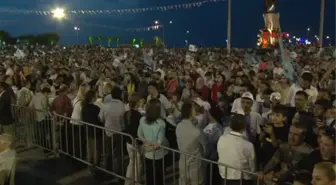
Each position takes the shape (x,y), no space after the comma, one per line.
(76,113)
(77,133)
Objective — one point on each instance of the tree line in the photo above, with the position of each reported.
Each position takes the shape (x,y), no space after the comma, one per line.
(41,39)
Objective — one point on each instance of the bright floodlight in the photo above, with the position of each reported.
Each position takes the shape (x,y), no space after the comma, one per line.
(76,28)
(170,22)
(308,29)
(58,13)
(187,31)
(156,22)
(327,37)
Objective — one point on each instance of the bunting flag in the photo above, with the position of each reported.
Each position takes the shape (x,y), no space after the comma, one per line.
(117,28)
(115,11)
(289,71)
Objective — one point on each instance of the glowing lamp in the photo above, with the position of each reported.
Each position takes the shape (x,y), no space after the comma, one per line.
(58,13)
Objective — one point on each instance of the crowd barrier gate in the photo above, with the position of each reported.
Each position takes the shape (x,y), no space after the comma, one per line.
(121,154)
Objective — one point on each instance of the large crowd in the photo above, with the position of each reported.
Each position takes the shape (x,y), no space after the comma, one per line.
(246,115)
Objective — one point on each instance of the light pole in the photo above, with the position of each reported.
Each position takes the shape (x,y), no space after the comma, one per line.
(229,29)
(157,23)
(77,29)
(328,38)
(321,23)
(308,31)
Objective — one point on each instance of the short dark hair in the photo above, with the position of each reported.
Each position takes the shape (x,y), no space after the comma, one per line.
(153,84)
(26,82)
(267,91)
(250,87)
(307,76)
(303,177)
(153,110)
(89,97)
(116,93)
(208,74)
(302,126)
(330,132)
(3,85)
(46,90)
(280,109)
(238,123)
(186,110)
(302,93)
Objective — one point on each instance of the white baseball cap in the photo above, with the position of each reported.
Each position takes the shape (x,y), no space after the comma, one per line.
(275,95)
(248,95)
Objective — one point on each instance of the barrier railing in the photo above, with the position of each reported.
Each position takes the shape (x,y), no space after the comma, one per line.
(131,160)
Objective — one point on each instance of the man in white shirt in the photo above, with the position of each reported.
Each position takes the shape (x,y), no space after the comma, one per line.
(25,95)
(304,84)
(237,152)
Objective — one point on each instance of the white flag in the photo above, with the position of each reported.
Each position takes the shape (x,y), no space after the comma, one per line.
(19,53)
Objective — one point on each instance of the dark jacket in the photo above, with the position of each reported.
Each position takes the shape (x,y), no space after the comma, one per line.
(6,116)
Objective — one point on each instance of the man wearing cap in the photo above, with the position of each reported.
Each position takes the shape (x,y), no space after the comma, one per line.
(275,99)
(253,119)
(237,102)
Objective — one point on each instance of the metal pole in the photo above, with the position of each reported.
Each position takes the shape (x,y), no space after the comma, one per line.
(229,28)
(77,35)
(163,35)
(321,22)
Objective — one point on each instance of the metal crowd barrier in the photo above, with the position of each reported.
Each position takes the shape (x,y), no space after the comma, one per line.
(117,153)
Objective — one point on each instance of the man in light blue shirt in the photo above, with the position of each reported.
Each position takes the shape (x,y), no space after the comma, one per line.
(112,114)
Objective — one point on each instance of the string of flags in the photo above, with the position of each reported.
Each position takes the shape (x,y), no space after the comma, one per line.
(84,23)
(116,11)
(116,28)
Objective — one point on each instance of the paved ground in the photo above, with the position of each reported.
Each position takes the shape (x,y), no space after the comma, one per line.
(34,167)
(37,168)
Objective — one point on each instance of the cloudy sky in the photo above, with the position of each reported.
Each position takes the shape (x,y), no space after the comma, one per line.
(207,25)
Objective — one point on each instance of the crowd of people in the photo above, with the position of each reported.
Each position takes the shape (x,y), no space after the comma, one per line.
(221,108)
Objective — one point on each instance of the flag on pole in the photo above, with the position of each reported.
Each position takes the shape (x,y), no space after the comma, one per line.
(19,53)
(286,61)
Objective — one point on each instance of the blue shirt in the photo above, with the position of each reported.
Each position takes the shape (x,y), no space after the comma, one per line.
(153,133)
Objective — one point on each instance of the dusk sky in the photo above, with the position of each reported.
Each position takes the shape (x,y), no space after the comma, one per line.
(207,25)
